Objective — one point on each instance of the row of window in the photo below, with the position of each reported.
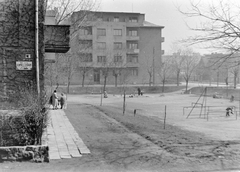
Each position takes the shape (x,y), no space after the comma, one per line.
(102,32)
(133,72)
(118,45)
(116,32)
(102,59)
(85,44)
(118,19)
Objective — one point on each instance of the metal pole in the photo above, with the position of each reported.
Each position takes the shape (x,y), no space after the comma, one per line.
(153,67)
(124,101)
(165,117)
(36,46)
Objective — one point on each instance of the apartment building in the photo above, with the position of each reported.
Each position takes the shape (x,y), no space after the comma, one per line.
(121,47)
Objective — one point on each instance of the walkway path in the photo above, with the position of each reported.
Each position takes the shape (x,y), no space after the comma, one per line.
(62,139)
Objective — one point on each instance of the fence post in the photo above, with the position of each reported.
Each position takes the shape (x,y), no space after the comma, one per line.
(124,101)
(165,115)
(101,96)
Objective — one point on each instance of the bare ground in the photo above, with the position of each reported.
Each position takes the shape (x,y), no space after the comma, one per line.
(136,143)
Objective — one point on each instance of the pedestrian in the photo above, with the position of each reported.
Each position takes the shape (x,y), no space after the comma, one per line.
(228,111)
(62,100)
(139,91)
(232,98)
(105,94)
(54,99)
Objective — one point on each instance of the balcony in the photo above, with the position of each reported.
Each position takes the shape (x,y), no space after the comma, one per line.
(162,39)
(132,64)
(132,38)
(56,38)
(85,37)
(133,51)
(133,24)
(162,52)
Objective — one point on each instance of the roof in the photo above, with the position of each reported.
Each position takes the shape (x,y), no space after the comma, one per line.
(116,12)
(148,24)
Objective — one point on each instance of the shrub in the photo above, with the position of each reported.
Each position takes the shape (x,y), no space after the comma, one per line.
(27,127)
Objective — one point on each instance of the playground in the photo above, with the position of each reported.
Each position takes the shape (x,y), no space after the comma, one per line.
(194,112)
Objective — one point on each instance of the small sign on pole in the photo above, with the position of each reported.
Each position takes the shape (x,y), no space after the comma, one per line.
(24,65)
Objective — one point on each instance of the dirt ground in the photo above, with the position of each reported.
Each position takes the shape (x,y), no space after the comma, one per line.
(140,143)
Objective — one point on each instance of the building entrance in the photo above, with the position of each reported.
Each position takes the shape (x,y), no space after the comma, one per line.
(96,76)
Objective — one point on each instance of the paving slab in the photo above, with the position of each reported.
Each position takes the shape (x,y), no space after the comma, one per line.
(62,139)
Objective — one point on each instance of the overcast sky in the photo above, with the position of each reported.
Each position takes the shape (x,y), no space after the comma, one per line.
(160,12)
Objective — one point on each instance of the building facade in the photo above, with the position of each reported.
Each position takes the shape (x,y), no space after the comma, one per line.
(20,44)
(116,48)
(17,44)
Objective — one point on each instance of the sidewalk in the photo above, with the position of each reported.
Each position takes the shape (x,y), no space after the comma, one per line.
(62,139)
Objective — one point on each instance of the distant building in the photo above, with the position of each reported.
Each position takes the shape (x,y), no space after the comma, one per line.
(123,45)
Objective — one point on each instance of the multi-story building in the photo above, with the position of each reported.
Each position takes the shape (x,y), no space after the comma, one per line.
(120,47)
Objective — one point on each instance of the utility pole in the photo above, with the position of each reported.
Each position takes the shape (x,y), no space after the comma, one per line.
(153,66)
(36,47)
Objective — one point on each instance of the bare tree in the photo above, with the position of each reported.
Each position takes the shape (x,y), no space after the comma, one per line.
(68,66)
(177,60)
(234,70)
(177,63)
(190,61)
(65,8)
(219,28)
(64,15)
(165,71)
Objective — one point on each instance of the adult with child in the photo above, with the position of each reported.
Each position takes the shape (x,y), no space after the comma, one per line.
(54,99)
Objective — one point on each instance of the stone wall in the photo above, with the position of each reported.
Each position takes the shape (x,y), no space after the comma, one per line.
(24,153)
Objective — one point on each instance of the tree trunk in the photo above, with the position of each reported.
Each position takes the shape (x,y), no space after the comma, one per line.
(116,76)
(150,79)
(105,83)
(235,81)
(186,85)
(68,84)
(83,79)
(68,87)
(163,86)
(178,74)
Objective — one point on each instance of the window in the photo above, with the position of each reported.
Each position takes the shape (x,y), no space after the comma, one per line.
(132,33)
(134,72)
(85,44)
(101,59)
(133,45)
(2,4)
(132,59)
(86,57)
(117,45)
(86,31)
(117,32)
(101,32)
(100,18)
(101,45)
(133,19)
(117,58)
(116,19)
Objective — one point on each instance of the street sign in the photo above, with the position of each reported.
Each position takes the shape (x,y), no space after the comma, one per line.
(23,65)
